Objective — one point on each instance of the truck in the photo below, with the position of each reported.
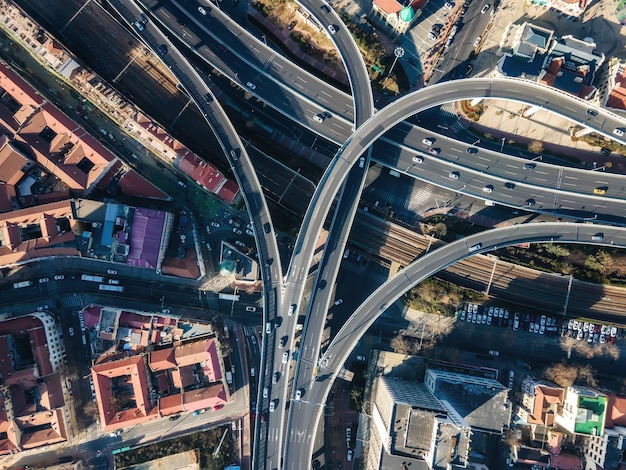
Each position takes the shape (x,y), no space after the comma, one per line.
(229,377)
(109,287)
(19,285)
(87,277)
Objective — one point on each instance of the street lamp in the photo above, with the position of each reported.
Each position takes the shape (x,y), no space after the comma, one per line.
(502,144)
(397,52)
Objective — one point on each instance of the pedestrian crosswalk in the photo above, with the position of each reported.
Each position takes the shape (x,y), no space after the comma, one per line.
(71,301)
(421,198)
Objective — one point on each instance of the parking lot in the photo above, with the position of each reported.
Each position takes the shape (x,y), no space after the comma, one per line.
(539,324)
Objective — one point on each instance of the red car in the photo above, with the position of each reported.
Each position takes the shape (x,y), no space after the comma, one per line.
(263,418)
(218,407)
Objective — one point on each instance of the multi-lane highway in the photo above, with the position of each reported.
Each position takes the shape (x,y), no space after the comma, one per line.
(307,411)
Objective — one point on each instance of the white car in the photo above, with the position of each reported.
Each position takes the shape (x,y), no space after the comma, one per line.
(331,29)
(202,11)
(319,117)
(454,175)
(484,9)
(349,457)
(488,188)
(449,5)
(477,41)
(44,280)
(493,352)
(292,308)
(338,301)
(418,159)
(111,271)
(272,406)
(251,85)
(427,141)
(59,277)
(237,231)
(618,132)
(71,330)
(266,392)
(298,394)
(285,357)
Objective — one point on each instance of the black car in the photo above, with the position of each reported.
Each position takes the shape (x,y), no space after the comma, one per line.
(592,112)
(291,25)
(325,9)
(605,151)
(509,185)
(471,150)
(162,49)
(321,284)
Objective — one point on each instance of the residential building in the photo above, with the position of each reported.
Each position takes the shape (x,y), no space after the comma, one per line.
(411,425)
(583,411)
(396,16)
(571,8)
(540,402)
(32,403)
(606,451)
(614,96)
(482,402)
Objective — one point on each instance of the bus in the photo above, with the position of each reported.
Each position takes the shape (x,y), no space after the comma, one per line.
(18,285)
(110,287)
(232,297)
(87,277)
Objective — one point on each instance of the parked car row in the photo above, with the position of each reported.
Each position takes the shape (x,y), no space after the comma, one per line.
(540,324)
(592,333)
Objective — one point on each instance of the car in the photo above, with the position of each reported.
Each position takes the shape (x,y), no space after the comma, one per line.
(59,277)
(319,117)
(475,247)
(239,243)
(71,330)
(338,301)
(237,231)
(249,232)
(360,358)
(285,357)
(462,315)
(418,159)
(263,418)
(321,285)
(218,407)
(488,188)
(471,150)
(292,309)
(291,25)
(542,329)
(162,49)
(477,41)
(529,166)
(298,394)
(543,320)
(602,339)
(272,406)
(349,456)
(501,312)
(251,85)
(283,342)
(139,26)
(530,202)
(507,314)
(428,141)
(509,185)
(432,36)
(266,392)
(174,417)
(276,377)
(484,319)
(618,132)
(580,335)
(250,308)
(215,224)
(592,112)
(454,175)
(202,11)
(331,29)
(605,151)
(325,9)
(43,280)
(600,190)
(449,5)
(111,271)
(484,9)
(434,151)
(362,162)
(475,306)
(268,327)
(253,339)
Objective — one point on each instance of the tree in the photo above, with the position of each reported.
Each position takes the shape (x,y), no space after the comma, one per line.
(561,374)
(535,147)
(400,344)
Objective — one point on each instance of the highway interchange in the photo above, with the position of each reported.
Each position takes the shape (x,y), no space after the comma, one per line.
(271,435)
(555,190)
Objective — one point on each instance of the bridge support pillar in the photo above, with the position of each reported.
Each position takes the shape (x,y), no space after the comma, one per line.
(475,101)
(530,111)
(583,131)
